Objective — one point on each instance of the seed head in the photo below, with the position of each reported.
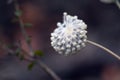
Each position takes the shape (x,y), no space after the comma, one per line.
(70,36)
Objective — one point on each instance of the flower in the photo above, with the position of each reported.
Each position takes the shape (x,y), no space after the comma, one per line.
(70,36)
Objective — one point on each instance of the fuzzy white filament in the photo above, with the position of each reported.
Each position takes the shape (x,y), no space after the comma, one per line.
(70,36)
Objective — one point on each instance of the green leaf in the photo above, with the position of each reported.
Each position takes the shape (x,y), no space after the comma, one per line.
(18,13)
(28,25)
(17,52)
(10,46)
(28,39)
(21,57)
(14,20)
(38,53)
(31,65)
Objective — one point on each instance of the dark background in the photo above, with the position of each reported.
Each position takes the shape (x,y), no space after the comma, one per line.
(91,63)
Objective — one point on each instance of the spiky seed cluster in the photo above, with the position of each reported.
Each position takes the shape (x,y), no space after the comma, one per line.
(70,36)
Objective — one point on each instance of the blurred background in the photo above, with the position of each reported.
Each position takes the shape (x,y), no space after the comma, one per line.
(91,63)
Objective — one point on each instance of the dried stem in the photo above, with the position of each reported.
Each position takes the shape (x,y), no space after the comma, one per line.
(104,48)
(40,63)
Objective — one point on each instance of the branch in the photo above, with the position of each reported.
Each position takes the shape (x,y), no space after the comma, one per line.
(40,63)
(31,59)
(27,39)
(104,48)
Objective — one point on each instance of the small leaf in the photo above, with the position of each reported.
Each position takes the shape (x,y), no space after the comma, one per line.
(28,25)
(28,39)
(38,53)
(10,46)
(18,13)
(14,20)
(31,65)
(21,57)
(17,52)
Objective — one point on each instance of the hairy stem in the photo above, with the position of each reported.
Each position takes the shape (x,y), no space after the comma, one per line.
(23,29)
(104,48)
(31,51)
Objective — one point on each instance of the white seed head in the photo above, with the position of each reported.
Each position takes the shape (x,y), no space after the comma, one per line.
(70,36)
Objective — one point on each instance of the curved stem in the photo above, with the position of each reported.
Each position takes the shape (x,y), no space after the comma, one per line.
(117,3)
(104,48)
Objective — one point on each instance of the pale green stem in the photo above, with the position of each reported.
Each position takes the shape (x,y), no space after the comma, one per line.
(104,48)
(117,3)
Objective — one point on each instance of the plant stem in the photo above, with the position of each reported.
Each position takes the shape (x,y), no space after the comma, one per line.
(104,48)
(47,69)
(31,59)
(117,2)
(17,8)
(31,51)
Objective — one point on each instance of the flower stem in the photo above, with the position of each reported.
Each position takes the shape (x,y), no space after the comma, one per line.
(105,49)
(117,3)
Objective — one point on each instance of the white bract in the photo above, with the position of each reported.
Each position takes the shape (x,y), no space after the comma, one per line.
(70,36)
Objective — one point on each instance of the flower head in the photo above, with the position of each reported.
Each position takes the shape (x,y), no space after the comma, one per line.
(70,36)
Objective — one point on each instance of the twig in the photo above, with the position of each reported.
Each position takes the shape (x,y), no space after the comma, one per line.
(104,48)
(40,63)
(31,59)
(17,8)
(51,73)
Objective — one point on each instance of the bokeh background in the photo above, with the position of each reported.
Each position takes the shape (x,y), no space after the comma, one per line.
(91,63)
